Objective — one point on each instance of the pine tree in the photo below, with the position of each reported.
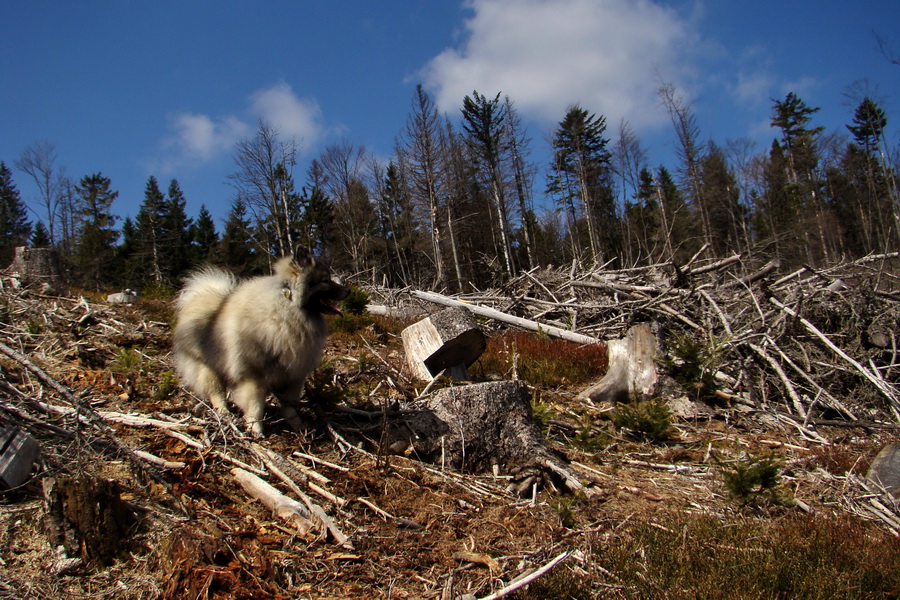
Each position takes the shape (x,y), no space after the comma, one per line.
(648,239)
(316,220)
(204,238)
(238,247)
(869,122)
(868,126)
(14,225)
(581,178)
(176,252)
(40,237)
(484,122)
(722,196)
(128,272)
(802,194)
(96,237)
(150,232)
(681,228)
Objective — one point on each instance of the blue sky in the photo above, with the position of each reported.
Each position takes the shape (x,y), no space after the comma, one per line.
(166,88)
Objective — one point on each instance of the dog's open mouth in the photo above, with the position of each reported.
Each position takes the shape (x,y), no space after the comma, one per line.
(323,305)
(327,308)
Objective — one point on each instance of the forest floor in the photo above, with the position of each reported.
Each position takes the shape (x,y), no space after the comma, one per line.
(657,518)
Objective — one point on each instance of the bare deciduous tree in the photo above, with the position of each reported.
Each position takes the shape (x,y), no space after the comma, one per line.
(265,182)
(39,161)
(420,148)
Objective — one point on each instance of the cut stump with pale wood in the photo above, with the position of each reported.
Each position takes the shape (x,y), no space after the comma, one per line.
(632,372)
(449,339)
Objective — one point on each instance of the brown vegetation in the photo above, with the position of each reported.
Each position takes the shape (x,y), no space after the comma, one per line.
(738,497)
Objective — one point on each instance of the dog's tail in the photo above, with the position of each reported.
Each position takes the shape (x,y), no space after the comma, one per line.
(203,294)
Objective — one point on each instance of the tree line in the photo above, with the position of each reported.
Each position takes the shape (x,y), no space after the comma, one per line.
(461,204)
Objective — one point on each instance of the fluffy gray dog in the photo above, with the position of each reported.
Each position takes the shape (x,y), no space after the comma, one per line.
(257,337)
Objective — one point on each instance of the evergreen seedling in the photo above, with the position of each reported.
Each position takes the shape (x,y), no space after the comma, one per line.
(650,420)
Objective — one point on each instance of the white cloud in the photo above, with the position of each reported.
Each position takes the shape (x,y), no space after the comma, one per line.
(201,138)
(290,116)
(196,139)
(606,55)
(753,88)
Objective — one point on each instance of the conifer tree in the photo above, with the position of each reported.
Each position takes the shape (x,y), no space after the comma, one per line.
(484,122)
(176,251)
(721,194)
(238,247)
(14,225)
(204,238)
(40,237)
(150,232)
(647,237)
(869,122)
(128,271)
(581,178)
(96,237)
(802,194)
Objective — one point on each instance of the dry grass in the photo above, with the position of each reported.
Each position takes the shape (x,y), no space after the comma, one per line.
(692,556)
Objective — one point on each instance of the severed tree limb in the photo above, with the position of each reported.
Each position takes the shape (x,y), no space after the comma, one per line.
(523,581)
(160,462)
(506,318)
(193,443)
(278,465)
(832,402)
(788,386)
(721,264)
(767,270)
(141,465)
(282,506)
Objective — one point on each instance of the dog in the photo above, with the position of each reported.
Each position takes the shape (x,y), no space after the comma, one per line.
(257,337)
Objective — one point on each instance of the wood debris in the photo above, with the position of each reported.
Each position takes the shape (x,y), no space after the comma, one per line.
(802,365)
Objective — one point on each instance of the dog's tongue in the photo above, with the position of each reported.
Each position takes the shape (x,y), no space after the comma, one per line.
(331,309)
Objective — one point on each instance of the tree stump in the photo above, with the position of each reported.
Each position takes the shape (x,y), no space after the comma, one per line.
(38,267)
(449,339)
(87,517)
(632,373)
(482,427)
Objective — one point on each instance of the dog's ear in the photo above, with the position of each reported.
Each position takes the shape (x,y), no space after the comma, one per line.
(302,256)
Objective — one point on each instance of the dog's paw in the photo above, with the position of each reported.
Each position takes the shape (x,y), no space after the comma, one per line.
(293,420)
(256,430)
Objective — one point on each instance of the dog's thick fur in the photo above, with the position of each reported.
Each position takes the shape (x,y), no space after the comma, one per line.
(258,337)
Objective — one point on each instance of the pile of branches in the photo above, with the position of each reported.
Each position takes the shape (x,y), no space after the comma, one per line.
(815,346)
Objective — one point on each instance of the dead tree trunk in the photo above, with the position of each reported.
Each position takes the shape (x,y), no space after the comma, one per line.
(87,517)
(632,368)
